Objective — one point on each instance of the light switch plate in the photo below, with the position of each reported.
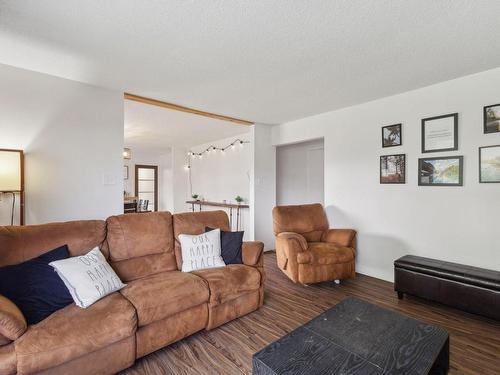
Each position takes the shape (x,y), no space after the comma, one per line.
(108,179)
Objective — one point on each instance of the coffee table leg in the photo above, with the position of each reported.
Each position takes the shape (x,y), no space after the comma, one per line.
(442,363)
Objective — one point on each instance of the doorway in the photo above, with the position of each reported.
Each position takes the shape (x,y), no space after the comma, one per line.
(300,173)
(146,186)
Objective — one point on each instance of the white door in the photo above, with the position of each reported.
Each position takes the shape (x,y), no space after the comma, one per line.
(315,175)
(300,173)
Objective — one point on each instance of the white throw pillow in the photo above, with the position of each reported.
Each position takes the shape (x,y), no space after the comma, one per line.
(88,277)
(201,251)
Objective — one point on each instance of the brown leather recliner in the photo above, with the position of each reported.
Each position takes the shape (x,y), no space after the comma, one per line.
(308,251)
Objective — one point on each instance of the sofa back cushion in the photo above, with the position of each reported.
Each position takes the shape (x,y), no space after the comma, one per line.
(309,220)
(140,244)
(21,243)
(195,223)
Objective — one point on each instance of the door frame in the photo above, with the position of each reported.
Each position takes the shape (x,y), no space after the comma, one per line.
(136,181)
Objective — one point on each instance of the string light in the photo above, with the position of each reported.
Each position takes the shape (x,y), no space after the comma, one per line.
(212,149)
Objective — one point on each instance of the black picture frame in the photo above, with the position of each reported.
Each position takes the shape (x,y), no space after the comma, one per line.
(400,131)
(485,121)
(402,176)
(481,179)
(455,131)
(460,181)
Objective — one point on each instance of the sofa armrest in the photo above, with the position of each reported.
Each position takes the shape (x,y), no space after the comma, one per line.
(12,321)
(251,253)
(341,237)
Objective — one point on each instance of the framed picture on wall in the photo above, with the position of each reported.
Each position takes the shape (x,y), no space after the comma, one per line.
(491,119)
(391,135)
(489,164)
(440,133)
(444,171)
(125,172)
(393,169)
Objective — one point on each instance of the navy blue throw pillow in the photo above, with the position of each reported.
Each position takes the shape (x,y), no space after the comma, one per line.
(35,287)
(231,243)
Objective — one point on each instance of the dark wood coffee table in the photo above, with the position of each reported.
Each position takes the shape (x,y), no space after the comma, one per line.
(356,337)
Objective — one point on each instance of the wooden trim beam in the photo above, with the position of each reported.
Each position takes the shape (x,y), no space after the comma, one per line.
(175,107)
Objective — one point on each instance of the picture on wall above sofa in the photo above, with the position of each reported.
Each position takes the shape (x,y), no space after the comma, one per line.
(491,118)
(393,169)
(489,164)
(391,135)
(440,133)
(443,171)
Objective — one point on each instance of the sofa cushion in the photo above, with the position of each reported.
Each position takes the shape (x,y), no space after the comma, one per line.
(140,244)
(159,296)
(88,277)
(227,283)
(34,287)
(325,253)
(72,332)
(201,251)
(195,223)
(21,243)
(231,243)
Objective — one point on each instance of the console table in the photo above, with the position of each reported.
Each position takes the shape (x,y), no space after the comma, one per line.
(229,206)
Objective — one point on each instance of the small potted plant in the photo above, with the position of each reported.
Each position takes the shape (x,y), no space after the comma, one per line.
(238,199)
(195,197)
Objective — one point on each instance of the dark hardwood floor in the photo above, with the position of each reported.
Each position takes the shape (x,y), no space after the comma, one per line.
(474,341)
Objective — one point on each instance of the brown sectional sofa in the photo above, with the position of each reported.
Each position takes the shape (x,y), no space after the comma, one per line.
(159,305)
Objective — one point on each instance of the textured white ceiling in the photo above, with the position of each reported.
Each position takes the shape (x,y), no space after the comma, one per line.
(265,61)
(153,128)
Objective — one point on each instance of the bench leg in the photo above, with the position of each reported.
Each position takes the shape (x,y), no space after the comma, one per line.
(400,295)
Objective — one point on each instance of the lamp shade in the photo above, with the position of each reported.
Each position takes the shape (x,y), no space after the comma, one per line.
(10,170)
(127,153)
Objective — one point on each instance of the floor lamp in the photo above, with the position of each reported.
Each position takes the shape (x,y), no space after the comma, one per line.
(12,179)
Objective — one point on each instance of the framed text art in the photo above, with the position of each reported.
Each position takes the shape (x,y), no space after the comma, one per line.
(440,133)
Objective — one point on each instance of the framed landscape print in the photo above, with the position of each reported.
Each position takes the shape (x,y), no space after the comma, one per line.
(444,171)
(440,133)
(491,118)
(391,135)
(393,169)
(489,164)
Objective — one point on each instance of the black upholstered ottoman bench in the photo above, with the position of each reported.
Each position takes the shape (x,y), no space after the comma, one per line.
(468,288)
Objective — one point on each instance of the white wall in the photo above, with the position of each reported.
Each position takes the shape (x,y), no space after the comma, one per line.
(300,173)
(180,189)
(458,224)
(163,160)
(263,185)
(222,176)
(72,134)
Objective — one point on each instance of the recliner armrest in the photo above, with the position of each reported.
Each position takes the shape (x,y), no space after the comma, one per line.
(341,237)
(251,253)
(292,236)
(12,321)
